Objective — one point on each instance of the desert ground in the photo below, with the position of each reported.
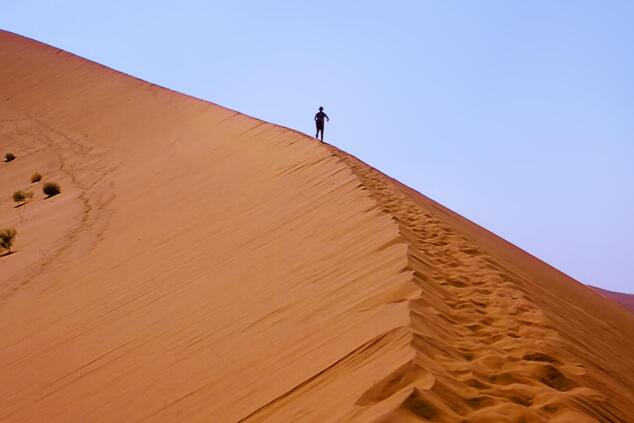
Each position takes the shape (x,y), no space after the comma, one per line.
(203,265)
(626,300)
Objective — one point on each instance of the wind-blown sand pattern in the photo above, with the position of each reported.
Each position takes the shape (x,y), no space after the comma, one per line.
(202,265)
(626,300)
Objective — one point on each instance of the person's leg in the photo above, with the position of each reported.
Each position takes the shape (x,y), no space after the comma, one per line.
(322,134)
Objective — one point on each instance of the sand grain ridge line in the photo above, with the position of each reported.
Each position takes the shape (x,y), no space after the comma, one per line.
(492,352)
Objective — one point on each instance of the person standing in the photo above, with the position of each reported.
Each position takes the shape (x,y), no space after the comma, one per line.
(319,121)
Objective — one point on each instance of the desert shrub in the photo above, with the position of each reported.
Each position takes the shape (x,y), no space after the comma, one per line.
(9,157)
(36,177)
(22,196)
(7,236)
(51,189)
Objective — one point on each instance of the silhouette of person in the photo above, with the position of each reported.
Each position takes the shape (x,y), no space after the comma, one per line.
(319,121)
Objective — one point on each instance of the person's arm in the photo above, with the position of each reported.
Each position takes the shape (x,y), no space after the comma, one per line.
(327,118)
(316,117)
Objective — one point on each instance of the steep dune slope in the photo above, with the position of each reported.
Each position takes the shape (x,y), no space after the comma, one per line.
(626,300)
(506,336)
(202,265)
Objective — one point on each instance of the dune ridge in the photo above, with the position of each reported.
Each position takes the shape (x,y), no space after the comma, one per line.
(204,265)
(626,300)
(496,354)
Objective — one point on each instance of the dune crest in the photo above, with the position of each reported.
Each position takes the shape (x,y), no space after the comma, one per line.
(203,265)
(626,300)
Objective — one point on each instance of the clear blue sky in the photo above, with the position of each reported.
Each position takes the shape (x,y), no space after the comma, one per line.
(518,115)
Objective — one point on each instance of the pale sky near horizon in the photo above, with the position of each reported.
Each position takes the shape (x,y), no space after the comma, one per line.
(517,115)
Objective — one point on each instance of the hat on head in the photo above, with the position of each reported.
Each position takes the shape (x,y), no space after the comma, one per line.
(321,108)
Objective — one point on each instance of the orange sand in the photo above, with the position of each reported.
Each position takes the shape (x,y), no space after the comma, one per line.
(202,265)
(626,300)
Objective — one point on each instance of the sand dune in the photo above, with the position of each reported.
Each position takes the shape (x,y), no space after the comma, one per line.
(202,265)
(626,300)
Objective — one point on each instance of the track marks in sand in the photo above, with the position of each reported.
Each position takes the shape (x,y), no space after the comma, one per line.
(79,167)
(490,350)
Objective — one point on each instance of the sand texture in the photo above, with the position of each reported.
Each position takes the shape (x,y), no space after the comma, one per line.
(626,300)
(202,265)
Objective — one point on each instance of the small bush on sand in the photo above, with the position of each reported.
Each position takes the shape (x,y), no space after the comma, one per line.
(9,157)
(36,177)
(21,196)
(51,189)
(7,236)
